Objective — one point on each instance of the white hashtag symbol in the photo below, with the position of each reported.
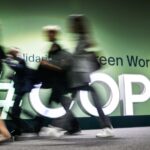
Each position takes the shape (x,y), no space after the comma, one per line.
(6,103)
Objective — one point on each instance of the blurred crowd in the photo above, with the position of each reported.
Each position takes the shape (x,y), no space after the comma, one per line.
(64,73)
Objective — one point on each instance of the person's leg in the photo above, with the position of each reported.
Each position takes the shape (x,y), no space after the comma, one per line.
(55,128)
(68,122)
(5,135)
(104,120)
(15,114)
(71,123)
(105,123)
(16,110)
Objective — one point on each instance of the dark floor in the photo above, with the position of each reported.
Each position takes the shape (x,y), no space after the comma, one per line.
(125,139)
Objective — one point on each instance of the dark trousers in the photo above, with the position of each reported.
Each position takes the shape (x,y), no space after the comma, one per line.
(16,110)
(15,114)
(68,122)
(103,119)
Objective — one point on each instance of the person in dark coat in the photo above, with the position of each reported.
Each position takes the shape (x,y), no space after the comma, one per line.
(54,72)
(23,83)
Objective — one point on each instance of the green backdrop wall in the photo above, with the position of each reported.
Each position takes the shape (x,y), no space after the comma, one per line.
(120,29)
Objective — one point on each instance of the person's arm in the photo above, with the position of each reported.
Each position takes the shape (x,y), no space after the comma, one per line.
(16,66)
(50,66)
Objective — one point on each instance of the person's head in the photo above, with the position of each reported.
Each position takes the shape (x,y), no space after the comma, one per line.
(78,24)
(51,32)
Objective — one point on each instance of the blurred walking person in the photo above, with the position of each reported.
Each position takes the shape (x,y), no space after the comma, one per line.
(53,75)
(23,83)
(84,63)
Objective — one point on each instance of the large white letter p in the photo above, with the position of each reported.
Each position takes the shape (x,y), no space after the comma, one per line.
(126,92)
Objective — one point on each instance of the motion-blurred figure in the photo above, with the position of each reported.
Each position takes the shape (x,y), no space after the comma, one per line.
(83,64)
(53,72)
(23,83)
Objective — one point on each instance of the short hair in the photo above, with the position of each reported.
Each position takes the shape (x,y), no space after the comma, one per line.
(80,23)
